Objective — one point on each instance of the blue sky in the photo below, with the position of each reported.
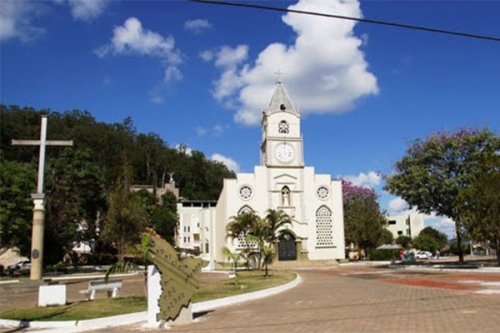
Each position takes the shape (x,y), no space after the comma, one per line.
(201,74)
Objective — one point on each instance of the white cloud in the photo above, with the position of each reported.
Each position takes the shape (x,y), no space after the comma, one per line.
(324,70)
(365,180)
(172,73)
(398,206)
(197,26)
(16,20)
(216,130)
(228,162)
(228,57)
(207,55)
(200,131)
(132,39)
(87,9)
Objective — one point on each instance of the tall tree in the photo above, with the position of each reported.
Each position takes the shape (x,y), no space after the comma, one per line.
(17,181)
(481,203)
(75,195)
(433,172)
(430,239)
(364,221)
(126,217)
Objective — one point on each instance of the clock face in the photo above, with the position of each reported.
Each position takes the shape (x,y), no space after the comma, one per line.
(284,152)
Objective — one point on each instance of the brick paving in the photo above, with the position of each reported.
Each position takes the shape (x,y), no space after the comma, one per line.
(358,299)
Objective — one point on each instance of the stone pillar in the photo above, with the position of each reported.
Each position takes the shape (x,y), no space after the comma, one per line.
(154,293)
(37,236)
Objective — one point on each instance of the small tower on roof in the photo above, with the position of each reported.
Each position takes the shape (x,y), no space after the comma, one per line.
(280,101)
(281,144)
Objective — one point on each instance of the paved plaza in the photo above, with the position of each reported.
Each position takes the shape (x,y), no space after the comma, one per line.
(361,298)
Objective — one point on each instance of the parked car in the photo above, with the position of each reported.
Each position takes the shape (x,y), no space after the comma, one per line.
(423,255)
(22,266)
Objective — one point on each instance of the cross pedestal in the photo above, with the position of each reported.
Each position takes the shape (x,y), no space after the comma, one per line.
(39,199)
(37,236)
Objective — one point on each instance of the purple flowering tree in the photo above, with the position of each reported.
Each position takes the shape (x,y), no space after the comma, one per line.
(364,222)
(433,172)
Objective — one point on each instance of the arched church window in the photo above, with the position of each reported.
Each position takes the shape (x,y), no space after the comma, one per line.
(244,210)
(242,242)
(285,196)
(324,227)
(283,127)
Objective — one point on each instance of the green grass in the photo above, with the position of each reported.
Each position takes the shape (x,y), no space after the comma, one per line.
(80,310)
(247,281)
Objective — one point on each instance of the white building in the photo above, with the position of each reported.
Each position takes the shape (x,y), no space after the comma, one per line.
(405,225)
(281,181)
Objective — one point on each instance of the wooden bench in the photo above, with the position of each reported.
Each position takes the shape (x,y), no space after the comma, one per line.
(112,288)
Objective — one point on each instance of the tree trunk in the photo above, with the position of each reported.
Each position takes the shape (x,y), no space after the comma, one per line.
(266,269)
(498,251)
(459,243)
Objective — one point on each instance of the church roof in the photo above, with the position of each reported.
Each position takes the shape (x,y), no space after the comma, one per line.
(281,101)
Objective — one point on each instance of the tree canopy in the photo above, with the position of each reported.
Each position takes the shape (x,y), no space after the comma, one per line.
(433,172)
(82,181)
(363,220)
(481,203)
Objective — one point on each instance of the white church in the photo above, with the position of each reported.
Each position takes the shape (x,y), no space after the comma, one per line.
(281,181)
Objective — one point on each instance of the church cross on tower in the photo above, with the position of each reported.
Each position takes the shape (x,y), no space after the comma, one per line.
(39,198)
(279,76)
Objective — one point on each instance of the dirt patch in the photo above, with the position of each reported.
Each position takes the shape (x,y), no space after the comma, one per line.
(427,283)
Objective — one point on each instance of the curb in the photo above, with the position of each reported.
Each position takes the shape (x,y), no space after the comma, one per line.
(134,318)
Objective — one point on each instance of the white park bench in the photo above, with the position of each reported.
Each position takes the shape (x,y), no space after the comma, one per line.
(112,288)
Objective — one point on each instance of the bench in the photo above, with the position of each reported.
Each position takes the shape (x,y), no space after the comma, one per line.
(112,288)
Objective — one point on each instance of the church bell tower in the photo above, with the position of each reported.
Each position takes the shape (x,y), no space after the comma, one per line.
(281,145)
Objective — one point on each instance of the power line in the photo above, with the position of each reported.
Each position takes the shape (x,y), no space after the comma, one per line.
(393,24)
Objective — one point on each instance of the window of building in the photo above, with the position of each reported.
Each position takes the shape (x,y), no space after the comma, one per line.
(400,232)
(245,209)
(392,222)
(324,227)
(189,229)
(283,127)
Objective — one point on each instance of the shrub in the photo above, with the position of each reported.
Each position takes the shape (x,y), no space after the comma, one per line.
(382,254)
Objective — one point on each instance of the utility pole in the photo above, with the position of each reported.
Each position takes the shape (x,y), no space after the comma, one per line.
(39,199)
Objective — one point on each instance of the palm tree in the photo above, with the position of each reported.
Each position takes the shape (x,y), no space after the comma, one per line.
(267,257)
(257,234)
(242,225)
(231,256)
(275,219)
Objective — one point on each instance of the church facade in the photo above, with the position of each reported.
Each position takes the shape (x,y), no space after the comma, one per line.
(281,181)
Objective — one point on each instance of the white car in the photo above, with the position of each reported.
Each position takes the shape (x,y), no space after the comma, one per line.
(22,266)
(423,255)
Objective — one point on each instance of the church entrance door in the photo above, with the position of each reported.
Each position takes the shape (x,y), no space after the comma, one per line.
(287,248)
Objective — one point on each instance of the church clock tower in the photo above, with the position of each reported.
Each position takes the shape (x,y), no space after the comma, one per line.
(281,139)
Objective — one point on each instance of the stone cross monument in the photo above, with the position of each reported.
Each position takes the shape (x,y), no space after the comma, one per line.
(39,199)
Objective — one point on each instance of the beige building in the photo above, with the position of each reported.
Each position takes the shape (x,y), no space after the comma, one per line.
(405,225)
(169,187)
(281,181)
